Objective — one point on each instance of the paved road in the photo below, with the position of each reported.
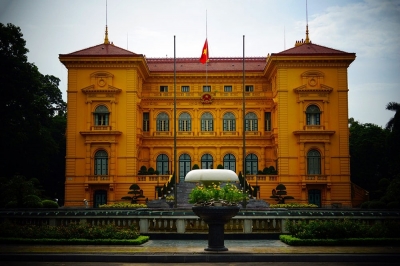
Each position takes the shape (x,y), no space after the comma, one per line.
(197,264)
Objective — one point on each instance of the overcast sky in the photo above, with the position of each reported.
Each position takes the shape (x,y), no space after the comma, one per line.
(369,28)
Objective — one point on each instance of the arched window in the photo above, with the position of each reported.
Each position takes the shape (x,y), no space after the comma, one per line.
(101,163)
(313,115)
(185,122)
(162,122)
(184,165)
(251,164)
(206,161)
(162,164)
(229,122)
(207,122)
(230,162)
(251,122)
(101,115)
(313,162)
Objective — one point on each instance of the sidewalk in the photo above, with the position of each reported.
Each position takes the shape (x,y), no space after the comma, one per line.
(179,251)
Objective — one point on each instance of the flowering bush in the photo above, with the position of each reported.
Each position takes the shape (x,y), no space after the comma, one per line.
(124,205)
(170,198)
(72,230)
(210,195)
(293,205)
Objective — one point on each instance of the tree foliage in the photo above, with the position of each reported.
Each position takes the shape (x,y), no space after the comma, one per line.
(368,151)
(375,156)
(17,191)
(280,194)
(33,116)
(393,126)
(136,192)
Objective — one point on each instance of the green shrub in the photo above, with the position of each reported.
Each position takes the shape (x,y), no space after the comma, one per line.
(73,241)
(70,231)
(49,204)
(12,204)
(123,205)
(293,205)
(365,205)
(393,205)
(32,201)
(376,205)
(293,241)
(338,229)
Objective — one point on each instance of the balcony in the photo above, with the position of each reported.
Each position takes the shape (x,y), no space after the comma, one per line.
(264,178)
(100,179)
(162,134)
(321,179)
(314,127)
(103,128)
(229,133)
(206,133)
(253,133)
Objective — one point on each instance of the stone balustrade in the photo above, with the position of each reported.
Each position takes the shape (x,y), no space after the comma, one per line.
(184,221)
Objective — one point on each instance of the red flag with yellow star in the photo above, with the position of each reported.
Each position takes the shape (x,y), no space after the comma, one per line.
(204,53)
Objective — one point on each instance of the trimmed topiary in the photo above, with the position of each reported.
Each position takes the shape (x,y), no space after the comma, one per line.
(32,201)
(49,204)
(376,205)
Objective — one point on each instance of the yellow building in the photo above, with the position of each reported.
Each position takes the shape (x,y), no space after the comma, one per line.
(121,117)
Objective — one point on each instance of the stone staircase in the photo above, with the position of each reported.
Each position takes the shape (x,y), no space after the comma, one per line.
(183,191)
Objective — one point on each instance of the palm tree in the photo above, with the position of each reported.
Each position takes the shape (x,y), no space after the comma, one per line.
(394,122)
(394,139)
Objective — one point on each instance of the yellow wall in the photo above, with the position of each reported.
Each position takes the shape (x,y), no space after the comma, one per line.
(284,88)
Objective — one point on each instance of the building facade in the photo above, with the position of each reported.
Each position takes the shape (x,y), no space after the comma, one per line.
(121,119)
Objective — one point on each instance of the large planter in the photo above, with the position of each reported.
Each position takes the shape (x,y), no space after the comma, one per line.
(216,218)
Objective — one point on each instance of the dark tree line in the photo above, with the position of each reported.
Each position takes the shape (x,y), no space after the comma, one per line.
(33,120)
(375,158)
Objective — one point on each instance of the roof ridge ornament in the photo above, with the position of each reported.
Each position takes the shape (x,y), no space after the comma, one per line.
(106,41)
(307,40)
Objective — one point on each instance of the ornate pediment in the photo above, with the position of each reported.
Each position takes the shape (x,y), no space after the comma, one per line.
(101,87)
(321,89)
(312,87)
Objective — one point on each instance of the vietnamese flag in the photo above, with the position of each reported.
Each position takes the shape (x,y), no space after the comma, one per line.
(204,53)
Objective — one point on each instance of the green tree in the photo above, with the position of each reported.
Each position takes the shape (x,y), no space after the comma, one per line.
(280,194)
(134,189)
(33,115)
(368,151)
(393,126)
(14,191)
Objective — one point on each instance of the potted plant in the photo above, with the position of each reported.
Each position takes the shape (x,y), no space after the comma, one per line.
(216,205)
(215,195)
(170,201)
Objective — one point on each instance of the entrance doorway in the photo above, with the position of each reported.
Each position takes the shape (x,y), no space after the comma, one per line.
(184,166)
(100,198)
(314,197)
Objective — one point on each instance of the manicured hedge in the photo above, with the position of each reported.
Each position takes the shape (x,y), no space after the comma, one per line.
(341,229)
(123,205)
(293,205)
(294,241)
(70,231)
(75,241)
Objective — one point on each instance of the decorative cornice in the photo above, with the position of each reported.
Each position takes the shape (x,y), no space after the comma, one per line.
(314,132)
(109,89)
(304,89)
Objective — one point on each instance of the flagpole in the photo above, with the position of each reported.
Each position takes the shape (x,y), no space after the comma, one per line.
(207,52)
(244,131)
(175,172)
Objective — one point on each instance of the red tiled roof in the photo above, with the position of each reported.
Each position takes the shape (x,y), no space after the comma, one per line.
(103,50)
(215,64)
(311,49)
